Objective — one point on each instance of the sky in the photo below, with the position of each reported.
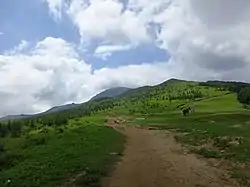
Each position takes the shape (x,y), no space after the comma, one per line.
(54,52)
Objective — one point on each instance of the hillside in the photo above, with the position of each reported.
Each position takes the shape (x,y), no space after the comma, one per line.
(15,117)
(110,93)
(165,97)
(55,109)
(60,108)
(81,136)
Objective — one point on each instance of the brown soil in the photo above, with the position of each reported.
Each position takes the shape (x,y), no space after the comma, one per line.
(152,158)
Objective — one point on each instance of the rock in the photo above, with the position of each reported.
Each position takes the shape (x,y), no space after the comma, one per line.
(234,143)
(113,153)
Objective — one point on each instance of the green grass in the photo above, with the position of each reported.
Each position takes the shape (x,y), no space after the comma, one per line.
(201,129)
(217,104)
(219,128)
(220,116)
(84,149)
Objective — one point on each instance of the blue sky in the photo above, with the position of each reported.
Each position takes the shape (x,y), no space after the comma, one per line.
(30,20)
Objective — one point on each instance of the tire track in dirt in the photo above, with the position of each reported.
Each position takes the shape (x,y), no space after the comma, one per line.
(152,158)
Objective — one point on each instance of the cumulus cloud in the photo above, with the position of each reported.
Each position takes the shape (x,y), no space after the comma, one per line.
(55,8)
(52,73)
(105,51)
(210,37)
(107,20)
(205,39)
(202,33)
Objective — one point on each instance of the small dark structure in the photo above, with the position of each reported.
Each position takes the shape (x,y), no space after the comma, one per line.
(185,111)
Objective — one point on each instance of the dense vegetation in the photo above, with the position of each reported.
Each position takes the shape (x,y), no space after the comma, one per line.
(244,96)
(53,149)
(73,146)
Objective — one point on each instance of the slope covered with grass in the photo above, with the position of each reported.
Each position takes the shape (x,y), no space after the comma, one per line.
(74,148)
(78,154)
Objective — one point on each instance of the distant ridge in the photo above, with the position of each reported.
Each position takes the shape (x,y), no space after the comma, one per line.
(161,89)
(50,111)
(110,93)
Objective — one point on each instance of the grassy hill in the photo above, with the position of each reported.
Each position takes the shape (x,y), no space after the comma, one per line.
(110,93)
(55,149)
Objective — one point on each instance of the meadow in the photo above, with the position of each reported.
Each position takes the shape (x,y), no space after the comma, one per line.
(80,154)
(75,148)
(218,129)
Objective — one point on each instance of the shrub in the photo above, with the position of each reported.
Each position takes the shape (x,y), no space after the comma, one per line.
(208,153)
(244,96)
(33,140)
(1,147)
(8,159)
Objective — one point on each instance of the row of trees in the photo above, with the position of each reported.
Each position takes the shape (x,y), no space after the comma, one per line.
(12,128)
(15,128)
(231,86)
(240,88)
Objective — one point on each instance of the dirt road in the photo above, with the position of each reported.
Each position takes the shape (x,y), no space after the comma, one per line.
(153,159)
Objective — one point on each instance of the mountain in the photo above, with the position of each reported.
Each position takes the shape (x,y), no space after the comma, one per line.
(59,108)
(50,111)
(110,93)
(147,99)
(15,117)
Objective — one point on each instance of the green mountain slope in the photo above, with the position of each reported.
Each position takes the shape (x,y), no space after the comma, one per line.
(80,142)
(110,93)
(170,96)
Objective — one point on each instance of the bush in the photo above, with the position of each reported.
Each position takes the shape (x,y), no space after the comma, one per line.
(1,148)
(208,153)
(3,130)
(244,96)
(33,140)
(8,159)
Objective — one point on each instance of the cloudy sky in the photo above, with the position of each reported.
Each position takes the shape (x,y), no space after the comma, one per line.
(54,52)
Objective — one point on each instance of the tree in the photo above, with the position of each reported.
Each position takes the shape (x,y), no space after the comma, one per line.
(3,130)
(244,96)
(14,128)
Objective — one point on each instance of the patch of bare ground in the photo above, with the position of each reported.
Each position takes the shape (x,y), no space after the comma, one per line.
(153,158)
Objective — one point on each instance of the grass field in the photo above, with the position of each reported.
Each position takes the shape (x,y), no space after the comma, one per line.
(219,128)
(80,152)
(85,148)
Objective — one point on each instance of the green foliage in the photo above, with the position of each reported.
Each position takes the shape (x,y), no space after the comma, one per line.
(3,130)
(34,140)
(228,132)
(2,149)
(50,150)
(231,86)
(208,153)
(61,157)
(244,96)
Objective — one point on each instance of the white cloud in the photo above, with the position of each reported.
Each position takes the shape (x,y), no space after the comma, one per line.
(106,20)
(206,40)
(209,36)
(55,7)
(104,51)
(51,73)
(204,37)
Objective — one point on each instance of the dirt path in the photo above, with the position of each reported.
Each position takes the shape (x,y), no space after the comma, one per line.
(153,159)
